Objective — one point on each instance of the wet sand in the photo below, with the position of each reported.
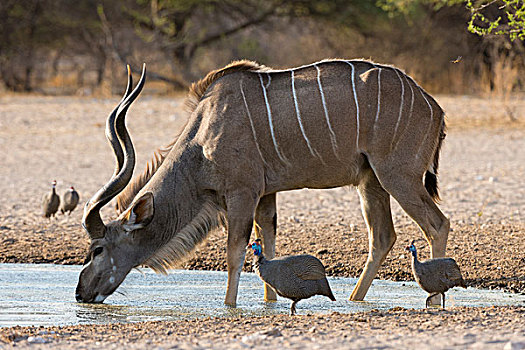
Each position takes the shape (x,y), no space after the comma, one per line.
(481,180)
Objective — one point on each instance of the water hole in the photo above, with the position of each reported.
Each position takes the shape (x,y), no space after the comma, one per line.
(43,295)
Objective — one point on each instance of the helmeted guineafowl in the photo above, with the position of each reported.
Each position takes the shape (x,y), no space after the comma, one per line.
(50,202)
(69,201)
(436,276)
(294,277)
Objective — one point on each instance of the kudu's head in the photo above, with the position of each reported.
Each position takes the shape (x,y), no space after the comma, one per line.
(114,250)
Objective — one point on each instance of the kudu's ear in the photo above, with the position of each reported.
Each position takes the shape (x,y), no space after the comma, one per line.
(140,214)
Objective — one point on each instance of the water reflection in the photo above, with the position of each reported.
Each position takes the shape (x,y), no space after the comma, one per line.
(44,295)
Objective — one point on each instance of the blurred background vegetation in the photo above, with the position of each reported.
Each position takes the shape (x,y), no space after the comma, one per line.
(81,47)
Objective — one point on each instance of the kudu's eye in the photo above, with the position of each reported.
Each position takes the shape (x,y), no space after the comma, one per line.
(97,251)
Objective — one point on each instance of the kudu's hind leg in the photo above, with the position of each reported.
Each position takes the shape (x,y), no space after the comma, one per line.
(266,218)
(375,205)
(240,208)
(412,196)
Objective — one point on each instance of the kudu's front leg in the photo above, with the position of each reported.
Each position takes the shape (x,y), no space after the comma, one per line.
(240,208)
(375,205)
(266,218)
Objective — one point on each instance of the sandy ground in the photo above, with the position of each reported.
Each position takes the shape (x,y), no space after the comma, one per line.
(393,329)
(481,178)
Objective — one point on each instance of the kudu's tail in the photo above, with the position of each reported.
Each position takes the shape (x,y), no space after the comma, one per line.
(431,183)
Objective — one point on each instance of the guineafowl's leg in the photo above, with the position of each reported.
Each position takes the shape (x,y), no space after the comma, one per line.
(266,218)
(429,299)
(375,205)
(292,308)
(239,216)
(443,296)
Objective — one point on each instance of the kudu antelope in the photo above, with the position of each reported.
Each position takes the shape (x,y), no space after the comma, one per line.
(252,132)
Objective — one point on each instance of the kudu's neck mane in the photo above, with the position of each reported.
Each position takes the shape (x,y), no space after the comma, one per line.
(198,89)
(125,198)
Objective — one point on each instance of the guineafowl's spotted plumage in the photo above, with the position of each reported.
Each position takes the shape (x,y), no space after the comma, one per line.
(436,276)
(50,202)
(69,201)
(294,277)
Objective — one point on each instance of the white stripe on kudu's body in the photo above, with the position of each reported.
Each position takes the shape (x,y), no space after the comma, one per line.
(429,124)
(323,100)
(223,171)
(356,106)
(269,114)
(298,114)
(269,81)
(400,105)
(409,117)
(378,97)
(251,122)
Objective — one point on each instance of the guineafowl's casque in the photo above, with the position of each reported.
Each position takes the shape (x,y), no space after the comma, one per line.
(69,201)
(294,277)
(50,202)
(436,276)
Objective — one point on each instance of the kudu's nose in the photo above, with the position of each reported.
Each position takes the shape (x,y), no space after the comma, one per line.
(78,294)
(78,297)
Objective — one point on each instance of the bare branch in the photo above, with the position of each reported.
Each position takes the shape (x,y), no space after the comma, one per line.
(177,83)
(124,59)
(214,37)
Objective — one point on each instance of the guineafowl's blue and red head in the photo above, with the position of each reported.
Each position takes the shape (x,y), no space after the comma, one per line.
(256,246)
(412,248)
